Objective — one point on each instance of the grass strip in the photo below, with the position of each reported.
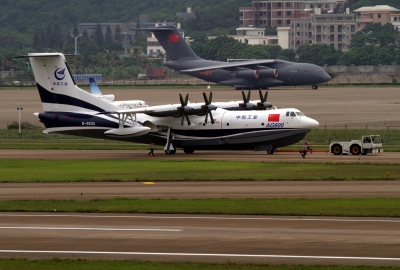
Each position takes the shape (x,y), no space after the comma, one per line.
(186,170)
(354,207)
(65,264)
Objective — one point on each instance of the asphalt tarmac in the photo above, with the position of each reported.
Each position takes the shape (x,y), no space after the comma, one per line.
(200,189)
(327,104)
(202,238)
(249,156)
(256,239)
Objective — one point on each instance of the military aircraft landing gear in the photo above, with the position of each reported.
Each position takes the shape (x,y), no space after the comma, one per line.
(188,150)
(314,87)
(270,152)
(170,152)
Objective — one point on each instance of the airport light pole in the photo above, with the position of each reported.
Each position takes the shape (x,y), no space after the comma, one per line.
(19,120)
(76,47)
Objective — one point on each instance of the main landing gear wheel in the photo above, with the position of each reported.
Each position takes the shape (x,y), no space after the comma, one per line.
(188,150)
(314,87)
(355,149)
(270,152)
(336,149)
(170,152)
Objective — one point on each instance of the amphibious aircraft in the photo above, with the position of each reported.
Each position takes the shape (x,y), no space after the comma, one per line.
(70,110)
(251,74)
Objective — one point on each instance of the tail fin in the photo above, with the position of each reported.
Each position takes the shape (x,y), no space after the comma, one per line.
(57,88)
(172,41)
(94,88)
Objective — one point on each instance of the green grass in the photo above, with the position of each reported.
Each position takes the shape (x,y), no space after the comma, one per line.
(62,264)
(357,207)
(9,138)
(188,170)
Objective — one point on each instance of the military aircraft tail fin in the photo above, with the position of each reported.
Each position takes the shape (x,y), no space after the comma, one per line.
(172,41)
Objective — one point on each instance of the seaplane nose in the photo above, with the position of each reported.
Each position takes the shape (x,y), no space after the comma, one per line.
(313,123)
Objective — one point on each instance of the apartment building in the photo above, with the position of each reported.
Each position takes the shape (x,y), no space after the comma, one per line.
(280,13)
(313,22)
(376,14)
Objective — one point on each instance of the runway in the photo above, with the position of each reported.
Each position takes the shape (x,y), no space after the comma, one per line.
(200,189)
(254,239)
(249,156)
(327,104)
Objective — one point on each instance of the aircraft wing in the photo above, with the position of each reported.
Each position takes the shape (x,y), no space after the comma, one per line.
(224,65)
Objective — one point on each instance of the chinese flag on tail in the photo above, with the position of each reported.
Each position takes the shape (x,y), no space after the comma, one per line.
(173,38)
(273,117)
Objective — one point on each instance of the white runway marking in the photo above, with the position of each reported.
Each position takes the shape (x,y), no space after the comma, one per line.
(296,218)
(200,255)
(88,229)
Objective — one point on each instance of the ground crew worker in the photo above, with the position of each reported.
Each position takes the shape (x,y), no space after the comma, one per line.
(304,150)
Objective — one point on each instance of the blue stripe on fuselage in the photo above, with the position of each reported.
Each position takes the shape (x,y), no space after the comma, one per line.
(52,98)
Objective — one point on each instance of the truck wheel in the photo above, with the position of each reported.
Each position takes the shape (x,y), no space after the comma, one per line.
(336,149)
(355,149)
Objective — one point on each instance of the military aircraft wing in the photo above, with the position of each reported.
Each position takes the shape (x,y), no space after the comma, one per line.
(226,65)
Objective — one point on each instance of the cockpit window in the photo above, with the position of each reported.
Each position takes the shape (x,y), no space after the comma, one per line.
(292,114)
(300,114)
(287,113)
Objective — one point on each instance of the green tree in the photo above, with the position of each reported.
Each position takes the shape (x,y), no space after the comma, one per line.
(375,34)
(36,41)
(270,31)
(273,50)
(318,54)
(85,37)
(368,55)
(117,35)
(287,54)
(99,37)
(109,36)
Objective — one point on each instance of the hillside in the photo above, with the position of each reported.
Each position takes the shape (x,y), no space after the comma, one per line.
(25,17)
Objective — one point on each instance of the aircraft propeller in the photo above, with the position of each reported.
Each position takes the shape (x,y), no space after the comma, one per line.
(184,109)
(263,104)
(208,107)
(246,105)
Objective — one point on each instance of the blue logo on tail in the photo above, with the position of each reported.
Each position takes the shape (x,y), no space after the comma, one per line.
(59,73)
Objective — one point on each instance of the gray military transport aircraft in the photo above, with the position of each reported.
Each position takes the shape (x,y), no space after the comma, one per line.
(251,74)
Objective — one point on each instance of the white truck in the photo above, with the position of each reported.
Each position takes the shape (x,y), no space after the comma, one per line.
(367,144)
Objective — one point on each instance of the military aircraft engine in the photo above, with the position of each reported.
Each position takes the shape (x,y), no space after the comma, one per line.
(268,73)
(245,73)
